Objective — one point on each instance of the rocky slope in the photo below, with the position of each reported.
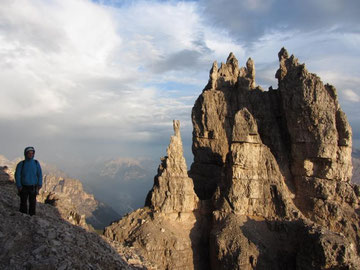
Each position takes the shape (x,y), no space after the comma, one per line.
(272,170)
(50,240)
(70,194)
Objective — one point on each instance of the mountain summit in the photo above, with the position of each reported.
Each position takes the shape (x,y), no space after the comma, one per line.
(271,174)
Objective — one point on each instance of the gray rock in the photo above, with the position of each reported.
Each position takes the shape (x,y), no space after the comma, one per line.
(173,190)
(36,242)
(167,231)
(280,155)
(272,171)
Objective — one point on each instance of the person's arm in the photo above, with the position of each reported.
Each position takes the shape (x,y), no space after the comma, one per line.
(18,175)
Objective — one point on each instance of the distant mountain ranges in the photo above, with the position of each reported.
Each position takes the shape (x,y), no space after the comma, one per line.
(122,183)
(119,186)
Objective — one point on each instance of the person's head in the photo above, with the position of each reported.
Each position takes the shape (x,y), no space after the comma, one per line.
(29,152)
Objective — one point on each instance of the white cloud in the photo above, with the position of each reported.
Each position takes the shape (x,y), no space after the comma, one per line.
(61,55)
(77,69)
(350,95)
(249,21)
(49,50)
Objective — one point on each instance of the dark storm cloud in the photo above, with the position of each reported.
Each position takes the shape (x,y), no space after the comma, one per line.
(186,59)
(248,20)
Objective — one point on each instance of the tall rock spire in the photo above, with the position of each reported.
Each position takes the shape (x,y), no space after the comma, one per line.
(173,190)
(168,230)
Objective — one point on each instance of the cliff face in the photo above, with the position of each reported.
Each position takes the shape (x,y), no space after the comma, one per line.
(272,171)
(279,156)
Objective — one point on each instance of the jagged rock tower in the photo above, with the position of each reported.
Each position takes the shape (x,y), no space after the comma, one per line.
(272,171)
(173,191)
(277,165)
(167,230)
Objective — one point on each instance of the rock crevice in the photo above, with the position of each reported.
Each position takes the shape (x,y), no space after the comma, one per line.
(271,174)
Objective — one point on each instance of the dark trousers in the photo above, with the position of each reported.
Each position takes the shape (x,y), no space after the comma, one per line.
(28,193)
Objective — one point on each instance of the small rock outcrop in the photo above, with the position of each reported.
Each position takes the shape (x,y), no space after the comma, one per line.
(167,231)
(48,241)
(70,194)
(272,172)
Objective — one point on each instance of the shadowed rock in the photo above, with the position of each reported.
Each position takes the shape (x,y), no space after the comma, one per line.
(283,155)
(272,170)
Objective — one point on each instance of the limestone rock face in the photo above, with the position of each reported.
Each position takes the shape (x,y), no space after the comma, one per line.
(240,242)
(173,190)
(253,179)
(320,143)
(68,196)
(279,160)
(168,231)
(230,89)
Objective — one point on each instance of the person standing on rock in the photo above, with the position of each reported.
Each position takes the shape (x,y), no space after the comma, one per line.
(28,176)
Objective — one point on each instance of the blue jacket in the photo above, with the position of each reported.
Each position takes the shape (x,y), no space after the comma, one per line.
(28,172)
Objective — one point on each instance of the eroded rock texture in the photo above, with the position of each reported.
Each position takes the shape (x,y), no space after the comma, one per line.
(167,231)
(173,190)
(272,170)
(252,177)
(277,165)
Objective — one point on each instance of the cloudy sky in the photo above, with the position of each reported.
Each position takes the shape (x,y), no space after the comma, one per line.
(83,80)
